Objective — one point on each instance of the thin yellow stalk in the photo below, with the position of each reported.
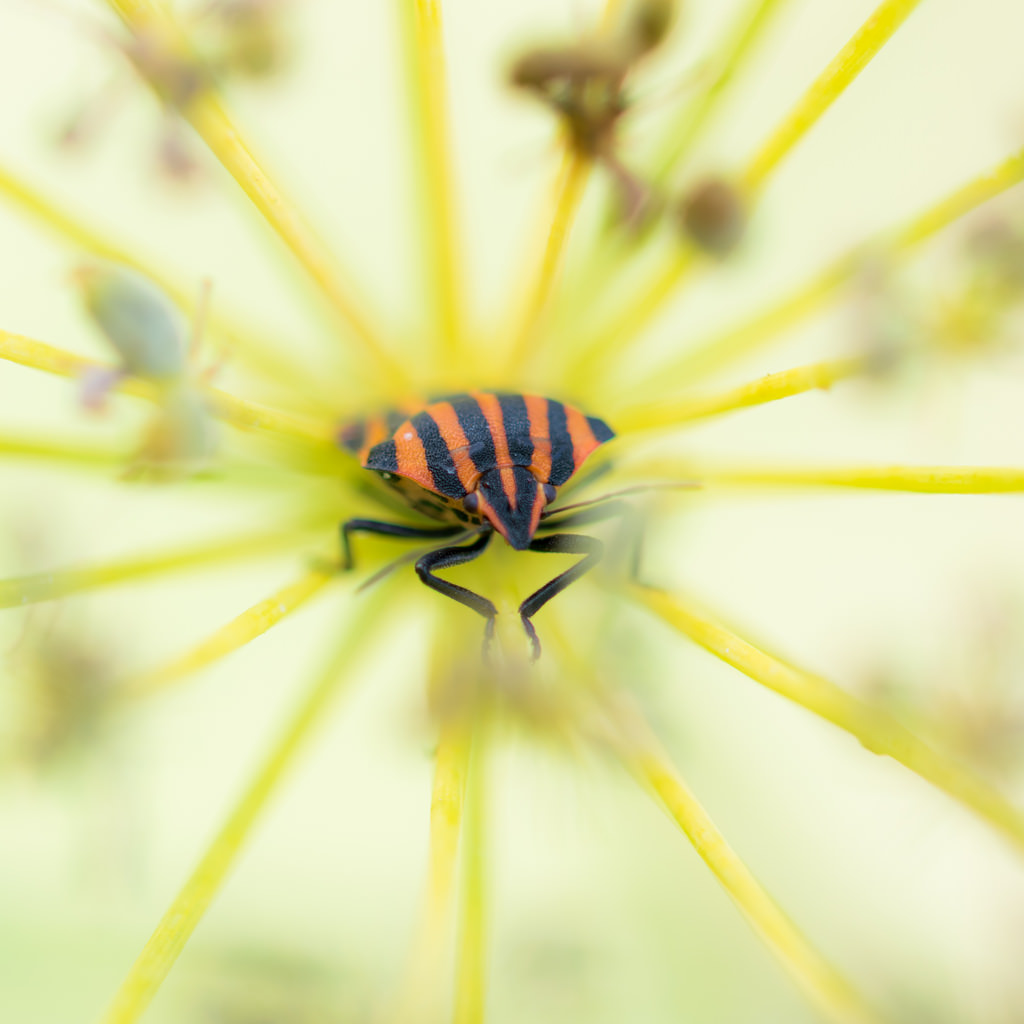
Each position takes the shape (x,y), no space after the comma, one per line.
(851,60)
(878,731)
(261,352)
(428,93)
(915,479)
(418,993)
(557,222)
(47,586)
(592,356)
(250,416)
(187,910)
(770,388)
(52,449)
(211,120)
(650,299)
(37,355)
(820,981)
(219,133)
(568,193)
(471,948)
(252,623)
(685,131)
(244,415)
(710,354)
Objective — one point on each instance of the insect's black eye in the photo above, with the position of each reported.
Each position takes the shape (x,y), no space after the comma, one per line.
(549,493)
(471,502)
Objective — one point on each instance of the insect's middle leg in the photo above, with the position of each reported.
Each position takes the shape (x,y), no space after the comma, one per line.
(390,530)
(560,543)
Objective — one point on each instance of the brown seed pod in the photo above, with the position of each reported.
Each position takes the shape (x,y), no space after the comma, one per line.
(713,216)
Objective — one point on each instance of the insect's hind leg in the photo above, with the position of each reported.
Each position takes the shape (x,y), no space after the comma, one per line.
(389,530)
(599,510)
(561,543)
(444,558)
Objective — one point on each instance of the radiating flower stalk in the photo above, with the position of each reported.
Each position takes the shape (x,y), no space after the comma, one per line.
(657,212)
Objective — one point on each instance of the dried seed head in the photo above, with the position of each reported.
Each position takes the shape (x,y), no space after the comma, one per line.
(996,250)
(582,84)
(176,78)
(541,69)
(138,320)
(713,216)
(248,38)
(647,25)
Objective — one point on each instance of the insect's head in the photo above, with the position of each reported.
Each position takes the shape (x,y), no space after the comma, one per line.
(512,501)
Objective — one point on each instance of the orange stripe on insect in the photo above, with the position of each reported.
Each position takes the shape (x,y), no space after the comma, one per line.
(540,435)
(454,437)
(410,457)
(491,409)
(583,440)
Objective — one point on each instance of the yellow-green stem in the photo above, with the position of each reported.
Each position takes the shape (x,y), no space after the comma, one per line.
(914,479)
(211,120)
(471,947)
(186,911)
(247,416)
(878,731)
(568,193)
(419,990)
(255,349)
(252,623)
(770,388)
(436,183)
(570,186)
(59,450)
(47,586)
(663,283)
(820,981)
(851,60)
(707,355)
(686,130)
(591,358)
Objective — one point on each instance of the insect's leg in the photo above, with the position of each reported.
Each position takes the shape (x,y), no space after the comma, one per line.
(597,511)
(443,558)
(389,530)
(560,543)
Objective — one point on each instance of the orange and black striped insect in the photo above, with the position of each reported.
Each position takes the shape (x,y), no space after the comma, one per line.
(483,463)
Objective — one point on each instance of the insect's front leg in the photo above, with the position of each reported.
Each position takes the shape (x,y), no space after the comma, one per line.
(559,543)
(389,530)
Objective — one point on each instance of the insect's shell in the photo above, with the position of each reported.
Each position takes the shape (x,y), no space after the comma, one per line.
(452,448)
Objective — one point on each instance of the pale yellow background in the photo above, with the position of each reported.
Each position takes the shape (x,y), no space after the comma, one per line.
(602,912)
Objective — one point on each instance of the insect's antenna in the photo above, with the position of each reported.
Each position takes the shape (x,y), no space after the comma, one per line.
(680,485)
(412,556)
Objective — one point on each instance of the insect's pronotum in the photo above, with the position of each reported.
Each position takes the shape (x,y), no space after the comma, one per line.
(481,463)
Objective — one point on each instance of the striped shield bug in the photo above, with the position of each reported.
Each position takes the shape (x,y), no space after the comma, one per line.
(483,463)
